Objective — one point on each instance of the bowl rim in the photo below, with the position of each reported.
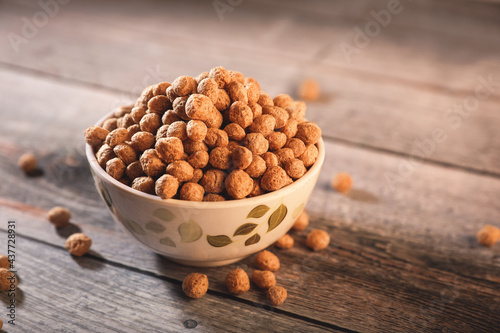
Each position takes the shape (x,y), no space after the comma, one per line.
(315,169)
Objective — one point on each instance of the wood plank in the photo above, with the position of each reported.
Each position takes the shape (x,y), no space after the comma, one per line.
(55,134)
(391,115)
(394,123)
(426,15)
(58,292)
(392,256)
(358,283)
(424,26)
(289,27)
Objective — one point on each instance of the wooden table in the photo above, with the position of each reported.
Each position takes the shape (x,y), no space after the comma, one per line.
(403,255)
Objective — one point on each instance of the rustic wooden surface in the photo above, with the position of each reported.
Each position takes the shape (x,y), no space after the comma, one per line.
(403,255)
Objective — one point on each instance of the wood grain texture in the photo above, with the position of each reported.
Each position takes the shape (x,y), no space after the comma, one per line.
(61,293)
(418,45)
(363,281)
(403,255)
(389,98)
(393,254)
(304,31)
(431,199)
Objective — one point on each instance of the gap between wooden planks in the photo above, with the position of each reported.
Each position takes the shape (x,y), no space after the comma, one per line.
(437,210)
(447,197)
(435,204)
(59,292)
(303,30)
(363,281)
(353,122)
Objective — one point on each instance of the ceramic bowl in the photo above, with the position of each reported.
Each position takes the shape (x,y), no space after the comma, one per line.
(205,233)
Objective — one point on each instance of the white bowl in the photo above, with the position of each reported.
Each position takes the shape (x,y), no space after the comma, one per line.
(205,233)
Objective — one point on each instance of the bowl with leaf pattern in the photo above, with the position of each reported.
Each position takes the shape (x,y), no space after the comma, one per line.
(205,233)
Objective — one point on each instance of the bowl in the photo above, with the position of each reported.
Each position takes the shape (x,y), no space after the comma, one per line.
(205,234)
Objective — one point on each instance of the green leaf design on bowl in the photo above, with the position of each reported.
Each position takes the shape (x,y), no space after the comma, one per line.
(252,240)
(219,241)
(167,241)
(258,212)
(155,227)
(134,227)
(105,195)
(245,229)
(190,231)
(298,210)
(164,214)
(277,217)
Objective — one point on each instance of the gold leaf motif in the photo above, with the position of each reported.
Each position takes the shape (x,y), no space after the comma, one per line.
(219,241)
(245,229)
(167,241)
(298,210)
(190,231)
(134,227)
(252,240)
(258,211)
(164,214)
(155,227)
(105,195)
(277,217)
